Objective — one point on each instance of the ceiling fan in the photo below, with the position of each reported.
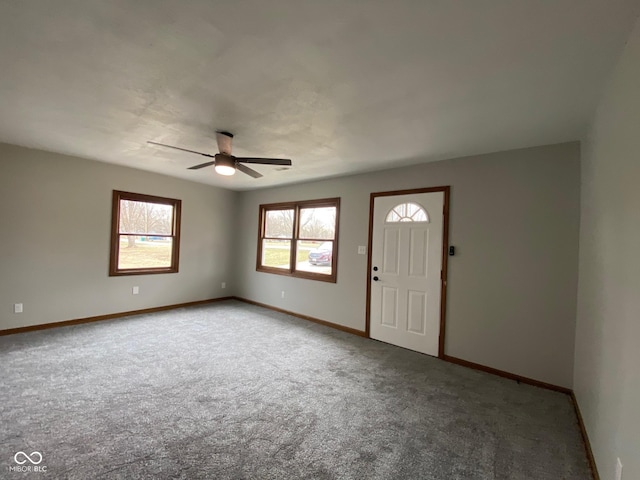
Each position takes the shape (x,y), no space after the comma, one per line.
(227,164)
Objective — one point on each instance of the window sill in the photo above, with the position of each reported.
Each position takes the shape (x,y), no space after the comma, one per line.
(298,274)
(142,271)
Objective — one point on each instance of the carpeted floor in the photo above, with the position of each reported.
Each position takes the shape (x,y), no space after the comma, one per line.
(233,391)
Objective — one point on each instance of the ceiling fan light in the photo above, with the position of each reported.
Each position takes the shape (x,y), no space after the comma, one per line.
(225,165)
(225,170)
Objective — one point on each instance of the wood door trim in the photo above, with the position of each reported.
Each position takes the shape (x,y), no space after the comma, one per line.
(445,257)
(444,265)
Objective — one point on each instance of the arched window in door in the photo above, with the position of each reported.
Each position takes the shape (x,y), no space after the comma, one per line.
(407,212)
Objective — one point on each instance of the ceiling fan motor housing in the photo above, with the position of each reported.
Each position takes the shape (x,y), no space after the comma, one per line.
(225,160)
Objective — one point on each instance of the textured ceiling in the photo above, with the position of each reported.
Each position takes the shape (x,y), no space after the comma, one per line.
(337,86)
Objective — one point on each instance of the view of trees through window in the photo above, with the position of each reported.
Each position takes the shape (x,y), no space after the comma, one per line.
(145,233)
(152,225)
(309,228)
(314,222)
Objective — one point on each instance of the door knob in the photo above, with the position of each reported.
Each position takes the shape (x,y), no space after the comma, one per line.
(375,269)
(375,279)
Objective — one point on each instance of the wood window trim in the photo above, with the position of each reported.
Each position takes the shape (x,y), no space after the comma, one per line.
(296,207)
(119,195)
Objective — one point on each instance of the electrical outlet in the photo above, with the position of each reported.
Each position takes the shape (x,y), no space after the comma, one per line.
(282,294)
(224,284)
(618,470)
(135,290)
(362,250)
(17,308)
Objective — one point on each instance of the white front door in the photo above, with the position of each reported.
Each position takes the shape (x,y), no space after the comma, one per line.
(406,260)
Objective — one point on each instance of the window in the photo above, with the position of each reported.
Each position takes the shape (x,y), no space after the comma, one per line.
(145,234)
(407,212)
(299,239)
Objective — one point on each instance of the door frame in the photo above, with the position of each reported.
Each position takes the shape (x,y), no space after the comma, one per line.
(445,257)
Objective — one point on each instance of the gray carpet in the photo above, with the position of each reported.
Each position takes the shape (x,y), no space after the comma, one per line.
(233,391)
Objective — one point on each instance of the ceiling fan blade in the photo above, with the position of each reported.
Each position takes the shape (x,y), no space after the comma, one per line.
(202,165)
(248,171)
(224,142)
(265,161)
(183,149)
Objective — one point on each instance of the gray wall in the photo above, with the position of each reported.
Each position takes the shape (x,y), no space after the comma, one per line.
(54,240)
(512,285)
(607,371)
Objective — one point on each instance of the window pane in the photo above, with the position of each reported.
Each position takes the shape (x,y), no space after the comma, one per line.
(276,253)
(279,223)
(314,257)
(318,222)
(144,217)
(407,212)
(144,252)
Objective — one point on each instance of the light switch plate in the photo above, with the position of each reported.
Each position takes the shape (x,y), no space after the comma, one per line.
(135,290)
(362,250)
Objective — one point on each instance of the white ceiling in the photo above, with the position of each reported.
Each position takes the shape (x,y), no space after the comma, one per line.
(338,86)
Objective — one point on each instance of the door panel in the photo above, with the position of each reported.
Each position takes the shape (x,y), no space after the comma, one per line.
(407,249)
(391,254)
(389,306)
(418,246)
(417,312)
